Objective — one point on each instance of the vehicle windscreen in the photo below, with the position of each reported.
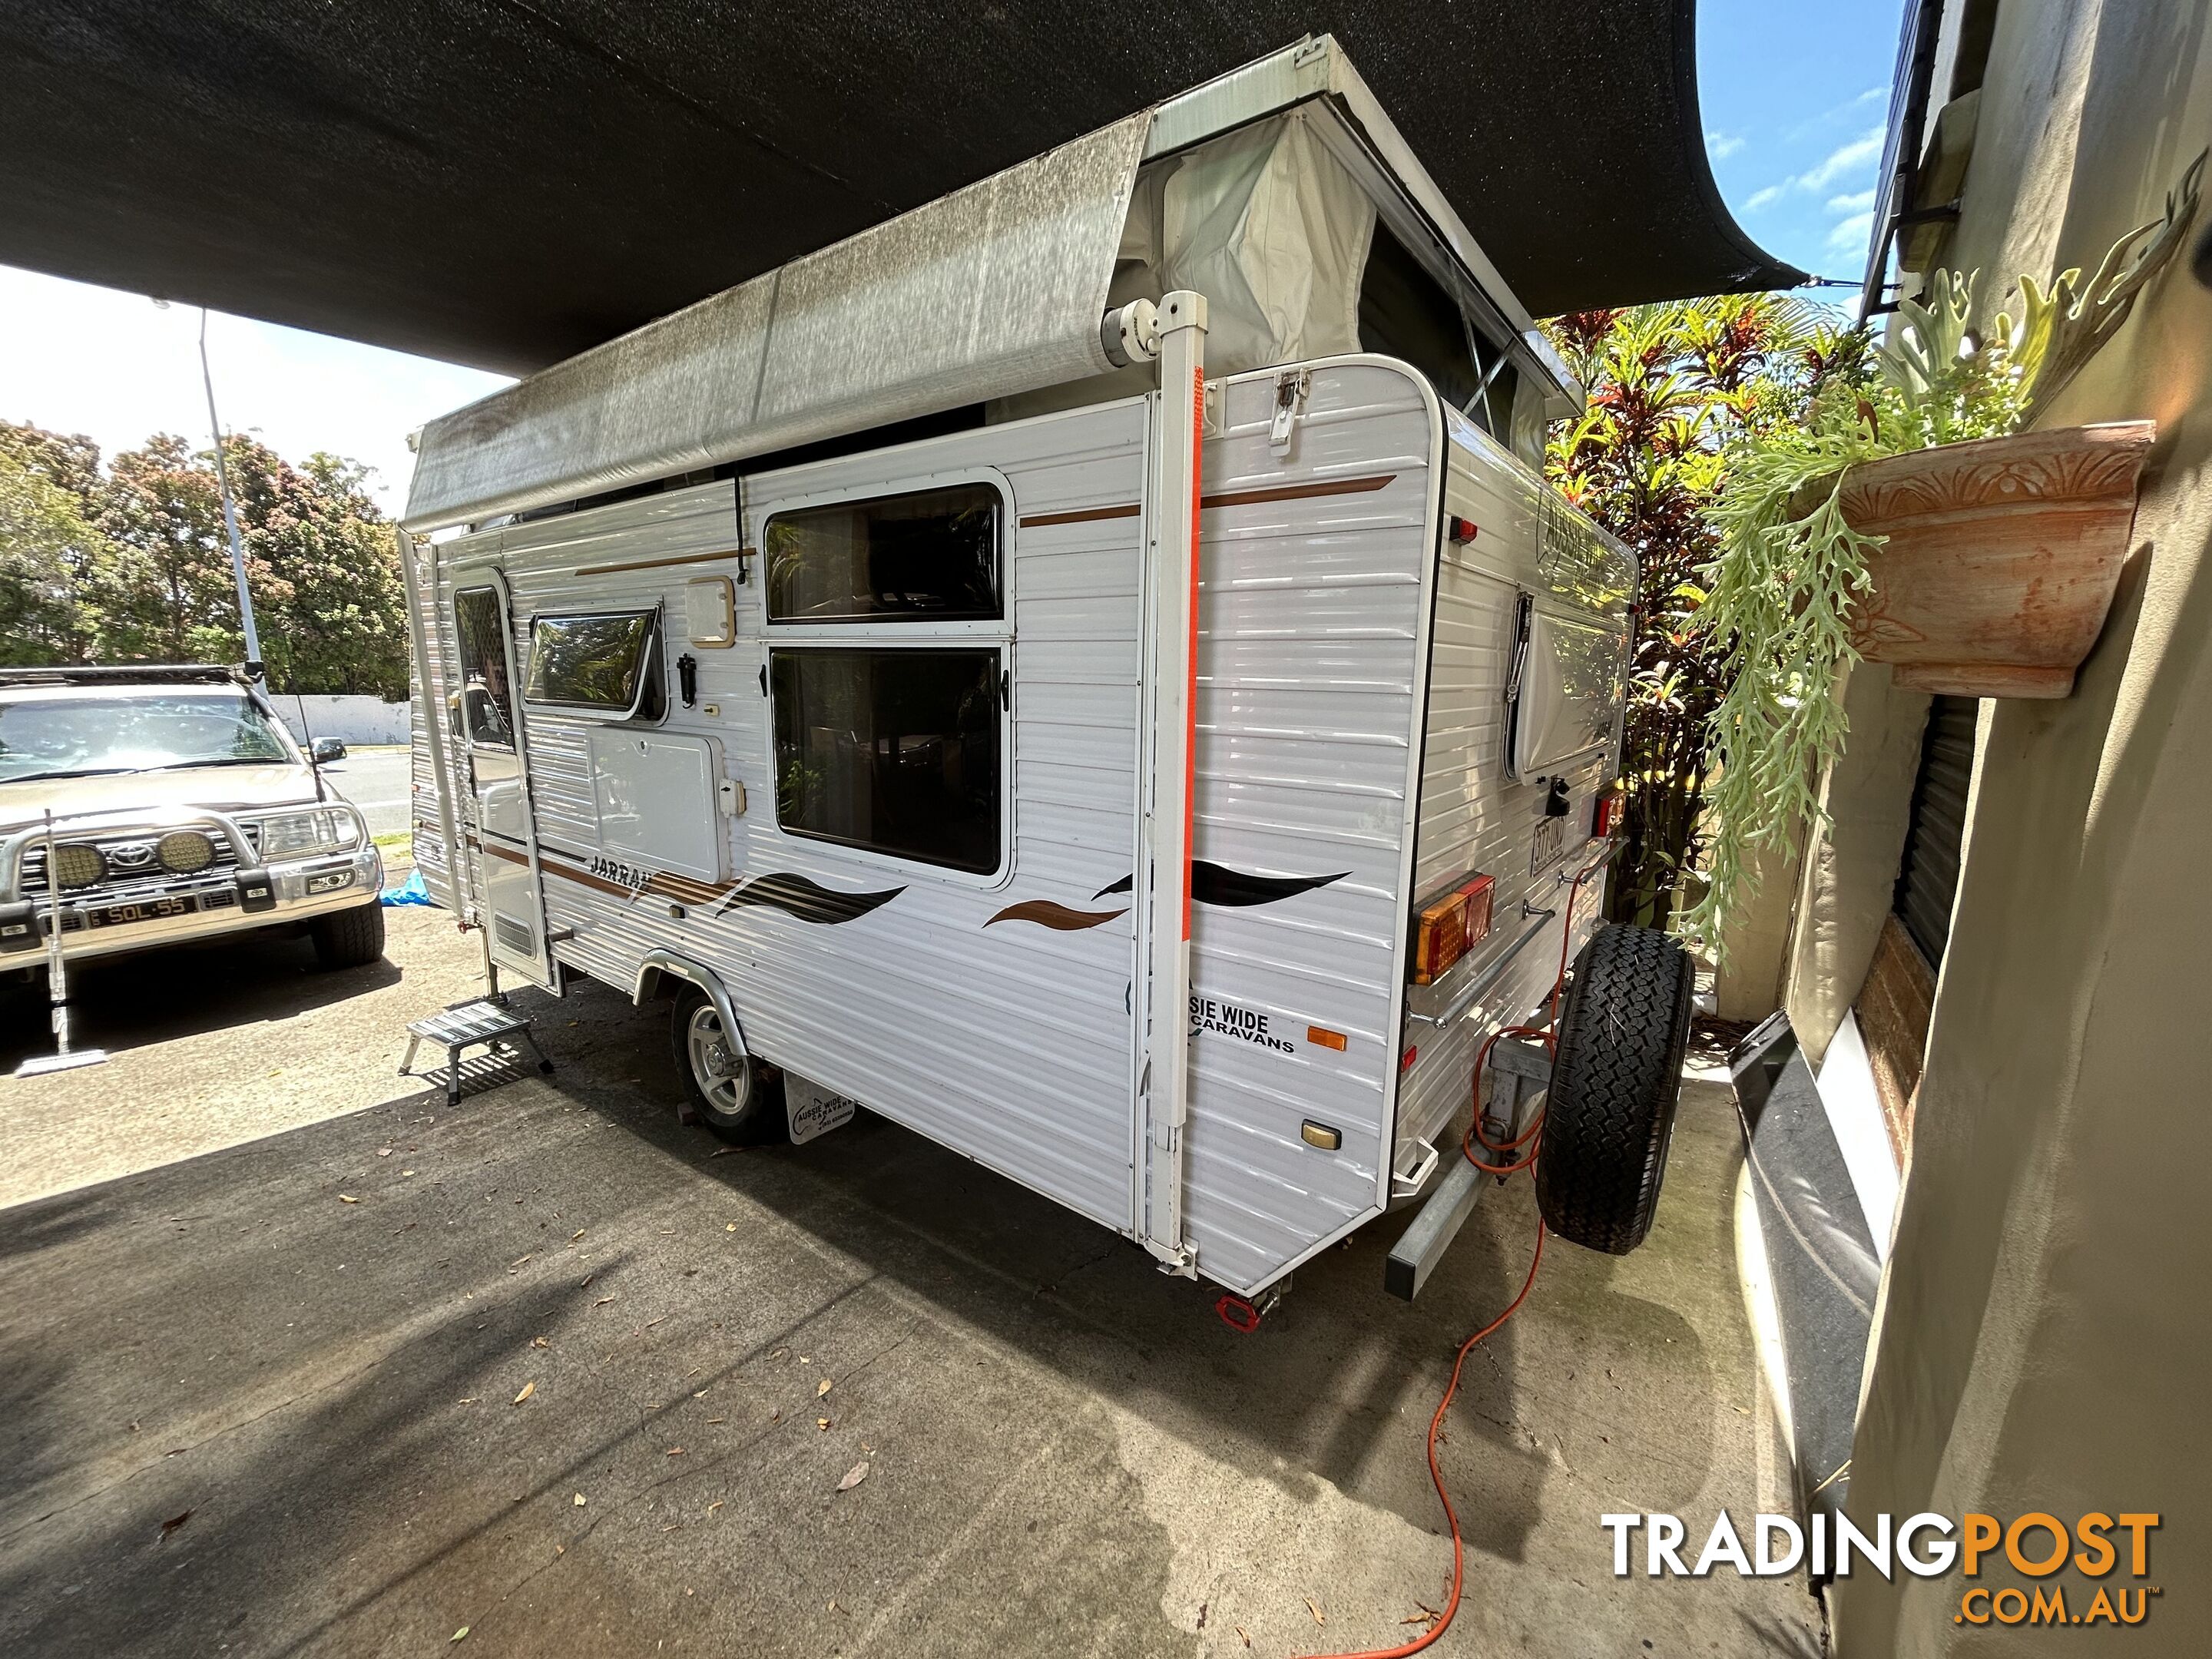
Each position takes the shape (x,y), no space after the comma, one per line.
(72,736)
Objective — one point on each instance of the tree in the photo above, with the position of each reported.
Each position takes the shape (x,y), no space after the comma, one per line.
(50,549)
(133,563)
(1671,387)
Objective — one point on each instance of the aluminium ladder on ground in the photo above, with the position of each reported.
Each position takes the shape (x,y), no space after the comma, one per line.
(462,1026)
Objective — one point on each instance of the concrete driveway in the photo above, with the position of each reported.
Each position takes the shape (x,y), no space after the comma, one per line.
(551,1368)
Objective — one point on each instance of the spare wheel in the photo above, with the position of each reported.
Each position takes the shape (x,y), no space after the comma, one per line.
(1616,1075)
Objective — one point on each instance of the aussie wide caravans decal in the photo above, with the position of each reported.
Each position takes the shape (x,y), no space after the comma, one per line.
(1210,883)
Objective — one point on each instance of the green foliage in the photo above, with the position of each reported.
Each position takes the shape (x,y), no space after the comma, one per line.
(1778,615)
(132,564)
(1672,388)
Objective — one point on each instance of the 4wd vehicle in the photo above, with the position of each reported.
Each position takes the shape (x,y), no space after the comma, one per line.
(181,809)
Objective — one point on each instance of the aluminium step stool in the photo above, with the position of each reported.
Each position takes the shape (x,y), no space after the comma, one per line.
(462,1025)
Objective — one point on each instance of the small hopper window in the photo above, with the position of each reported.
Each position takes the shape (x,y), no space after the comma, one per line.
(602,661)
(932,554)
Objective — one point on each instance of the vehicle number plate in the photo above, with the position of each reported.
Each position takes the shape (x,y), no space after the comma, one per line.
(1549,847)
(114,915)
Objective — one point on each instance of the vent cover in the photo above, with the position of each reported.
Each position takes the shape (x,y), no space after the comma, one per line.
(515,934)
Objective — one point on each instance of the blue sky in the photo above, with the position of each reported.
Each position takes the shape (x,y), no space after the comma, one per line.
(1794,94)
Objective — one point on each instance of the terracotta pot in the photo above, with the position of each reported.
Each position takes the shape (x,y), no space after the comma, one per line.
(2003,556)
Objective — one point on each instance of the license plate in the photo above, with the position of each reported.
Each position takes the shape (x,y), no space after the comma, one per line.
(116,915)
(1550,845)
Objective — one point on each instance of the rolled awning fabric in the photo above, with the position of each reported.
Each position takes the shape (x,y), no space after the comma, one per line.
(993,290)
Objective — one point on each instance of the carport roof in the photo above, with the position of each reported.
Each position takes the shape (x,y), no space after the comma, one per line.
(506,182)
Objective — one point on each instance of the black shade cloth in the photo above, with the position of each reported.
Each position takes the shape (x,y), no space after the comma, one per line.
(505,182)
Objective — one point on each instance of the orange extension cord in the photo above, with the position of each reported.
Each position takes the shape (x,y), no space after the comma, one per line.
(1451,1389)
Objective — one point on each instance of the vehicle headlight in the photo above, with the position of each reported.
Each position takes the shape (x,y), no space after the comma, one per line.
(291,835)
(76,865)
(185,852)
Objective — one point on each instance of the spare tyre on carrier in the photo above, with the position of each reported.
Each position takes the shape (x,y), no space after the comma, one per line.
(1616,1075)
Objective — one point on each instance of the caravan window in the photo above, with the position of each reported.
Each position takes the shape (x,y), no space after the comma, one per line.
(483,707)
(929,556)
(894,749)
(602,660)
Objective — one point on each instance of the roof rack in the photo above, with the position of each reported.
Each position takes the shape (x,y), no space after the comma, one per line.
(127,673)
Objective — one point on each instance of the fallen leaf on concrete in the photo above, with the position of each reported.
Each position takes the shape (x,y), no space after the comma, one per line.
(822,1388)
(528,1389)
(348,1198)
(580,1500)
(469,1401)
(732,1228)
(459,1634)
(1239,1629)
(540,1342)
(718,1419)
(517,1262)
(675,1451)
(716,1504)
(1320,1618)
(407,1172)
(853,1476)
(779,1353)
(573,1237)
(822,1423)
(384,1151)
(175,1521)
(603,1302)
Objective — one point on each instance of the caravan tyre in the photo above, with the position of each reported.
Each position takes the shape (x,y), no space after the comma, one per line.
(1616,1075)
(724,1084)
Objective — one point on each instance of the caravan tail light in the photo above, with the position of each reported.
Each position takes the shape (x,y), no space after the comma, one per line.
(1449,927)
(1607,819)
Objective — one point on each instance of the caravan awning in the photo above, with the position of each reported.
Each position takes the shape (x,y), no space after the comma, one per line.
(508,182)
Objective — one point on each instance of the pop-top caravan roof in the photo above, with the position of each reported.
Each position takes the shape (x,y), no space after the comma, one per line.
(1271,190)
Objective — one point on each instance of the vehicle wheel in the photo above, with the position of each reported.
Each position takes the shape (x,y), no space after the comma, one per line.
(349,938)
(732,1096)
(1616,1076)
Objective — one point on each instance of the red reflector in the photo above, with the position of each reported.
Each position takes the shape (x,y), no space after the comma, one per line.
(1462,531)
(1609,809)
(1405,1061)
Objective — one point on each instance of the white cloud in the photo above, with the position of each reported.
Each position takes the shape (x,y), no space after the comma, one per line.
(1760,198)
(1854,204)
(112,365)
(1854,157)
(1722,145)
(1850,234)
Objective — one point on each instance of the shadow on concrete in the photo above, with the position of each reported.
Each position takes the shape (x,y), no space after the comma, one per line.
(157,996)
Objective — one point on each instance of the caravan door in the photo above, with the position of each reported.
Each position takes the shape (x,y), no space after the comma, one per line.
(495,759)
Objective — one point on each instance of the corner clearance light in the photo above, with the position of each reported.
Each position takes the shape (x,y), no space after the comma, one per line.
(1450,926)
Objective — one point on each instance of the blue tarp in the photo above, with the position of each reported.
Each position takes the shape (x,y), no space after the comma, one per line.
(411,891)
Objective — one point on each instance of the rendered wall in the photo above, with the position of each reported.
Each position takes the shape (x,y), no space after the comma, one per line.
(2044,1337)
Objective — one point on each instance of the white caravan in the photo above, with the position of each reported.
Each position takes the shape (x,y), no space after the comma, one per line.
(1086,670)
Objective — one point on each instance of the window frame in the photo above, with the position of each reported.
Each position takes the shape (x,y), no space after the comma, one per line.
(651,654)
(904,634)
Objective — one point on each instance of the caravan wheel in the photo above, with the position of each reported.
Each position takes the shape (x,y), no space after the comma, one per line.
(724,1082)
(1616,1075)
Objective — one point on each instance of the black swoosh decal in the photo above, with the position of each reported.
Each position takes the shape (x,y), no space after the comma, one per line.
(809,900)
(1215,884)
